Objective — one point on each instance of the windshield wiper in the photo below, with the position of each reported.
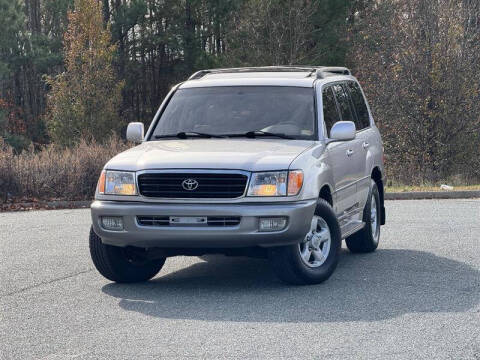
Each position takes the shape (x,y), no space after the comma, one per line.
(187,134)
(257,133)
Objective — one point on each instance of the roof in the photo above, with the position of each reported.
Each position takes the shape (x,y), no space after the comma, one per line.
(301,76)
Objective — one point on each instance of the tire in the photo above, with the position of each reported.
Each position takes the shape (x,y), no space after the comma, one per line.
(115,264)
(366,240)
(287,261)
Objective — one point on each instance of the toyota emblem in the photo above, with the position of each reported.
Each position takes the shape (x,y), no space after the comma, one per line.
(190,184)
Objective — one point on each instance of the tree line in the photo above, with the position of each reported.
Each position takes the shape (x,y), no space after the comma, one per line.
(72,69)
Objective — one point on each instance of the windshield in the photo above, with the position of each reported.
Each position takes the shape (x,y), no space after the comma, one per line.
(238,110)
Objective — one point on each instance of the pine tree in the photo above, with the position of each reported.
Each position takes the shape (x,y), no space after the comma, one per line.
(85,99)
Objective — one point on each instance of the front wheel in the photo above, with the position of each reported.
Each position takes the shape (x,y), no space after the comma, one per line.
(314,259)
(119,264)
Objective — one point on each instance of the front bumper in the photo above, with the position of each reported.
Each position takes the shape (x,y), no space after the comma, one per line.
(245,234)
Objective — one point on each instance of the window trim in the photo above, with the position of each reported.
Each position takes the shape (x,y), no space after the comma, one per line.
(352,107)
(342,85)
(158,114)
(341,82)
(169,96)
(370,118)
(337,106)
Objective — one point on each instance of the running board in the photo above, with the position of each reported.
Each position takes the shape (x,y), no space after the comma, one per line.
(351,227)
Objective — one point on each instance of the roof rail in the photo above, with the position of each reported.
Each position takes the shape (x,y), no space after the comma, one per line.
(320,71)
(286,68)
(325,71)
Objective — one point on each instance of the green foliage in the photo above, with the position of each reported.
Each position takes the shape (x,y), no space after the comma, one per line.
(159,43)
(12,36)
(85,99)
(417,59)
(277,32)
(17,142)
(420,65)
(12,126)
(30,46)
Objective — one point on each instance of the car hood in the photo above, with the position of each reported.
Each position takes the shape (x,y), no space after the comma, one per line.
(239,154)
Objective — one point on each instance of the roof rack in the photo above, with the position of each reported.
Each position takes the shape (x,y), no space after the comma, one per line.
(319,71)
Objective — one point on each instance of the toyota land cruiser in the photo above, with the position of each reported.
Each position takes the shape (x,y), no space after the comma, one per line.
(283,162)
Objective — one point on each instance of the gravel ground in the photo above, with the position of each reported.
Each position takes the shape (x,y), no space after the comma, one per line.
(417,297)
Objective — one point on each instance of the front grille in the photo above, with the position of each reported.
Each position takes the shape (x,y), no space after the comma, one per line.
(216,221)
(208,185)
(223,220)
(153,220)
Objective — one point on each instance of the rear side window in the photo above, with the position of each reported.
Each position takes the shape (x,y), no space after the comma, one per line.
(344,104)
(330,112)
(359,104)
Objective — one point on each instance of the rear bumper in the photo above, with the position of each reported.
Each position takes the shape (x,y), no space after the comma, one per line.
(246,234)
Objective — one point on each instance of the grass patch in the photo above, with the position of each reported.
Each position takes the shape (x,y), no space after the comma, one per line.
(410,188)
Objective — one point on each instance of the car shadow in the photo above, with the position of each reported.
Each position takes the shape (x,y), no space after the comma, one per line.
(367,287)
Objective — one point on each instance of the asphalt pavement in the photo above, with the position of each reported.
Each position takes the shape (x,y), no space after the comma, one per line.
(416,297)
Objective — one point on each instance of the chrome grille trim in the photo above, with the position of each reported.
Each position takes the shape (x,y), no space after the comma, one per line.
(228,184)
(212,221)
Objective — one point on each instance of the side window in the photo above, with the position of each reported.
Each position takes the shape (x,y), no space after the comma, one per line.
(344,103)
(359,103)
(330,112)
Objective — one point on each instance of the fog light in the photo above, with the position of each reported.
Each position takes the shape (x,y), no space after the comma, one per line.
(272,224)
(114,223)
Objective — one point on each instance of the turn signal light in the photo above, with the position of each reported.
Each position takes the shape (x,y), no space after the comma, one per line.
(266,190)
(125,189)
(295,182)
(101,183)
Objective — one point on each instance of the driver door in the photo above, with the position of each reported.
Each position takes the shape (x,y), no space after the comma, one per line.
(341,155)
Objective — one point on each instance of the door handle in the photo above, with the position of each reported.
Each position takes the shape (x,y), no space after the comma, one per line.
(349,152)
(365,145)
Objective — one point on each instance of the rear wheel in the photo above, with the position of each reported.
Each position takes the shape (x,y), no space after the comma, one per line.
(314,259)
(366,240)
(120,264)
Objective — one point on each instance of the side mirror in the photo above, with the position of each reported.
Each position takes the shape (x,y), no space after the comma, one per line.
(135,132)
(343,131)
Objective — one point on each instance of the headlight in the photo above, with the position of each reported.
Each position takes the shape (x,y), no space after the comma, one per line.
(276,183)
(117,183)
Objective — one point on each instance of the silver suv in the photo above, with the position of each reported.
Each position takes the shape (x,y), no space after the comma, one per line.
(279,162)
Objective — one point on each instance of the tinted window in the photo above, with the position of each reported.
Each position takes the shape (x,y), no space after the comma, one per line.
(343,103)
(330,112)
(239,109)
(359,103)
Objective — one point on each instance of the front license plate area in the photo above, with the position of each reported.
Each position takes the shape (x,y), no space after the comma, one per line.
(188,220)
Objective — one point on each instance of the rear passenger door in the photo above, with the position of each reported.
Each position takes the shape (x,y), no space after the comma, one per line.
(364,137)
